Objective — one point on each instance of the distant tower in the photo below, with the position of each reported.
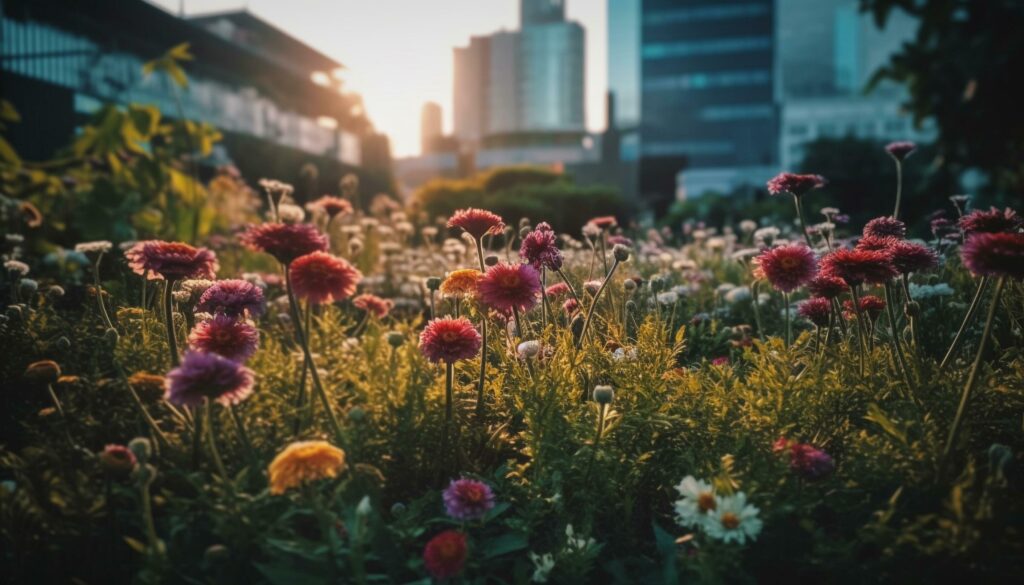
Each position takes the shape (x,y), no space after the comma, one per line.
(430,127)
(540,12)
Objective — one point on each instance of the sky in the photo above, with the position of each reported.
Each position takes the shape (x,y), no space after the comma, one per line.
(399,52)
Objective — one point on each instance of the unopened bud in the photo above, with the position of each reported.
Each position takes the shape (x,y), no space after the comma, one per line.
(912,309)
(142,448)
(395,339)
(629,285)
(215,553)
(433,283)
(491,259)
(27,287)
(620,253)
(357,414)
(603,394)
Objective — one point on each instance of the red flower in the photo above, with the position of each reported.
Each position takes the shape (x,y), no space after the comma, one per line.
(171,260)
(870,305)
(909,257)
(885,226)
(570,306)
(557,289)
(877,243)
(331,205)
(374,305)
(816,310)
(994,255)
(795,184)
(827,286)
(477,222)
(509,286)
(605,221)
(539,248)
(859,266)
(449,340)
(284,241)
(991,221)
(788,267)
(322,278)
(445,554)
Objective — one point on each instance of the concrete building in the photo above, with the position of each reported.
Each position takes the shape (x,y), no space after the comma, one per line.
(471,91)
(430,127)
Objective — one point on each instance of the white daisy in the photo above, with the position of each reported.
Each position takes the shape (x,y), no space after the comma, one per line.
(698,499)
(733,520)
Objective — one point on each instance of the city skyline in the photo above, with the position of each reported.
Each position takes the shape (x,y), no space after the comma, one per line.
(422,61)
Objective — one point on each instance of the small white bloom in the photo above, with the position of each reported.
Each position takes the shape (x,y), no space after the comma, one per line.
(16,266)
(97,247)
(748,225)
(766,235)
(698,500)
(289,213)
(734,520)
(364,508)
(542,566)
(668,298)
(622,353)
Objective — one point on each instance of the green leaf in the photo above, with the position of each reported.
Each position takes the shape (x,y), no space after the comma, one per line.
(8,154)
(878,417)
(666,544)
(504,544)
(136,545)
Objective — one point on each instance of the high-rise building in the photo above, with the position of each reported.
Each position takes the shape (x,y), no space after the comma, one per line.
(471,91)
(533,12)
(528,80)
(430,127)
(827,53)
(624,71)
(551,91)
(706,94)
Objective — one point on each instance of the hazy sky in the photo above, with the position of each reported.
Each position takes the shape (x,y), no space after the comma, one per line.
(399,52)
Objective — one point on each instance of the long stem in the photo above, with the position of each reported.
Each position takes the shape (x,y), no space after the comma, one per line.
(449,382)
(543,298)
(304,342)
(145,310)
(597,298)
(894,339)
(602,410)
(757,309)
(975,303)
(483,339)
(99,292)
(572,291)
(860,326)
(789,324)
(243,435)
(214,452)
(899,189)
(803,225)
(972,379)
(905,280)
(172,343)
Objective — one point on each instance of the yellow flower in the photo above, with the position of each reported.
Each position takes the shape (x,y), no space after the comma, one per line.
(461,283)
(303,462)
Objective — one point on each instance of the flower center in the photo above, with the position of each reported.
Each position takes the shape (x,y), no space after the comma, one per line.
(449,336)
(788,263)
(706,502)
(510,281)
(473,495)
(730,521)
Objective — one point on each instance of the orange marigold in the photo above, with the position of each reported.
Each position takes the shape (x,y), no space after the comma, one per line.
(303,462)
(461,284)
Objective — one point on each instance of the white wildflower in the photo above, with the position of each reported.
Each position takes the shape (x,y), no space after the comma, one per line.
(698,500)
(542,566)
(97,247)
(733,520)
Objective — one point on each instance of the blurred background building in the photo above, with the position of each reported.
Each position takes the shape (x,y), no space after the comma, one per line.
(279,103)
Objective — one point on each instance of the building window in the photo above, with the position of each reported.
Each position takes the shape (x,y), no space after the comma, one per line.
(696,81)
(737,112)
(797,129)
(706,13)
(706,47)
(688,147)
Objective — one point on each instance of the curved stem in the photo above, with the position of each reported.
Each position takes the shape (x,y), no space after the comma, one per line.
(593,304)
(172,343)
(971,311)
(899,189)
(894,340)
(99,292)
(572,291)
(803,225)
(214,452)
(449,382)
(972,379)
(304,342)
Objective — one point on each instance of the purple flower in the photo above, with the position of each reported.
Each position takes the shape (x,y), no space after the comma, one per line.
(991,221)
(232,297)
(994,255)
(208,376)
(226,336)
(539,248)
(468,499)
(795,184)
(900,150)
(810,462)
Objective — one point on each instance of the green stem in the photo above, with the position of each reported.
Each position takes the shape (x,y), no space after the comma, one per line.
(800,215)
(789,324)
(214,452)
(483,339)
(172,343)
(972,379)
(593,304)
(757,309)
(243,436)
(860,326)
(449,382)
(899,189)
(99,292)
(894,340)
(971,311)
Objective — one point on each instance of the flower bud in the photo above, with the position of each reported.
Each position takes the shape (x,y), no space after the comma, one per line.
(63,343)
(620,253)
(524,231)
(577,328)
(603,394)
(111,336)
(142,448)
(912,309)
(54,292)
(42,372)
(491,259)
(27,287)
(397,509)
(629,285)
(395,339)
(118,461)
(357,414)
(630,306)
(528,349)
(657,284)
(433,283)
(15,312)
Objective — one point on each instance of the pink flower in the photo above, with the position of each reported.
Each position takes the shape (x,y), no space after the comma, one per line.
(171,260)
(810,462)
(794,184)
(900,150)
(816,310)
(870,305)
(208,376)
(468,499)
(477,222)
(859,266)
(284,241)
(539,248)
(885,226)
(788,267)
(322,278)
(332,206)
(449,340)
(226,336)
(557,289)
(827,286)
(509,286)
(373,305)
(232,297)
(991,221)
(909,257)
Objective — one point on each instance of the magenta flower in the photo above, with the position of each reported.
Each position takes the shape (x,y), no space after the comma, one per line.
(232,297)
(795,184)
(539,248)
(885,226)
(208,376)
(284,241)
(991,221)
(994,255)
(816,310)
(859,266)
(505,287)
(900,150)
(809,462)
(468,499)
(788,267)
(171,260)
(827,286)
(477,222)
(225,336)
(909,257)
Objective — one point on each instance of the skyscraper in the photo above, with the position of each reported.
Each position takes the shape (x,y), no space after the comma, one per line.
(430,127)
(552,77)
(707,97)
(540,12)
(505,74)
(471,91)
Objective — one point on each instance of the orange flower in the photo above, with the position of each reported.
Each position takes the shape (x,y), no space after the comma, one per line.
(461,284)
(303,462)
